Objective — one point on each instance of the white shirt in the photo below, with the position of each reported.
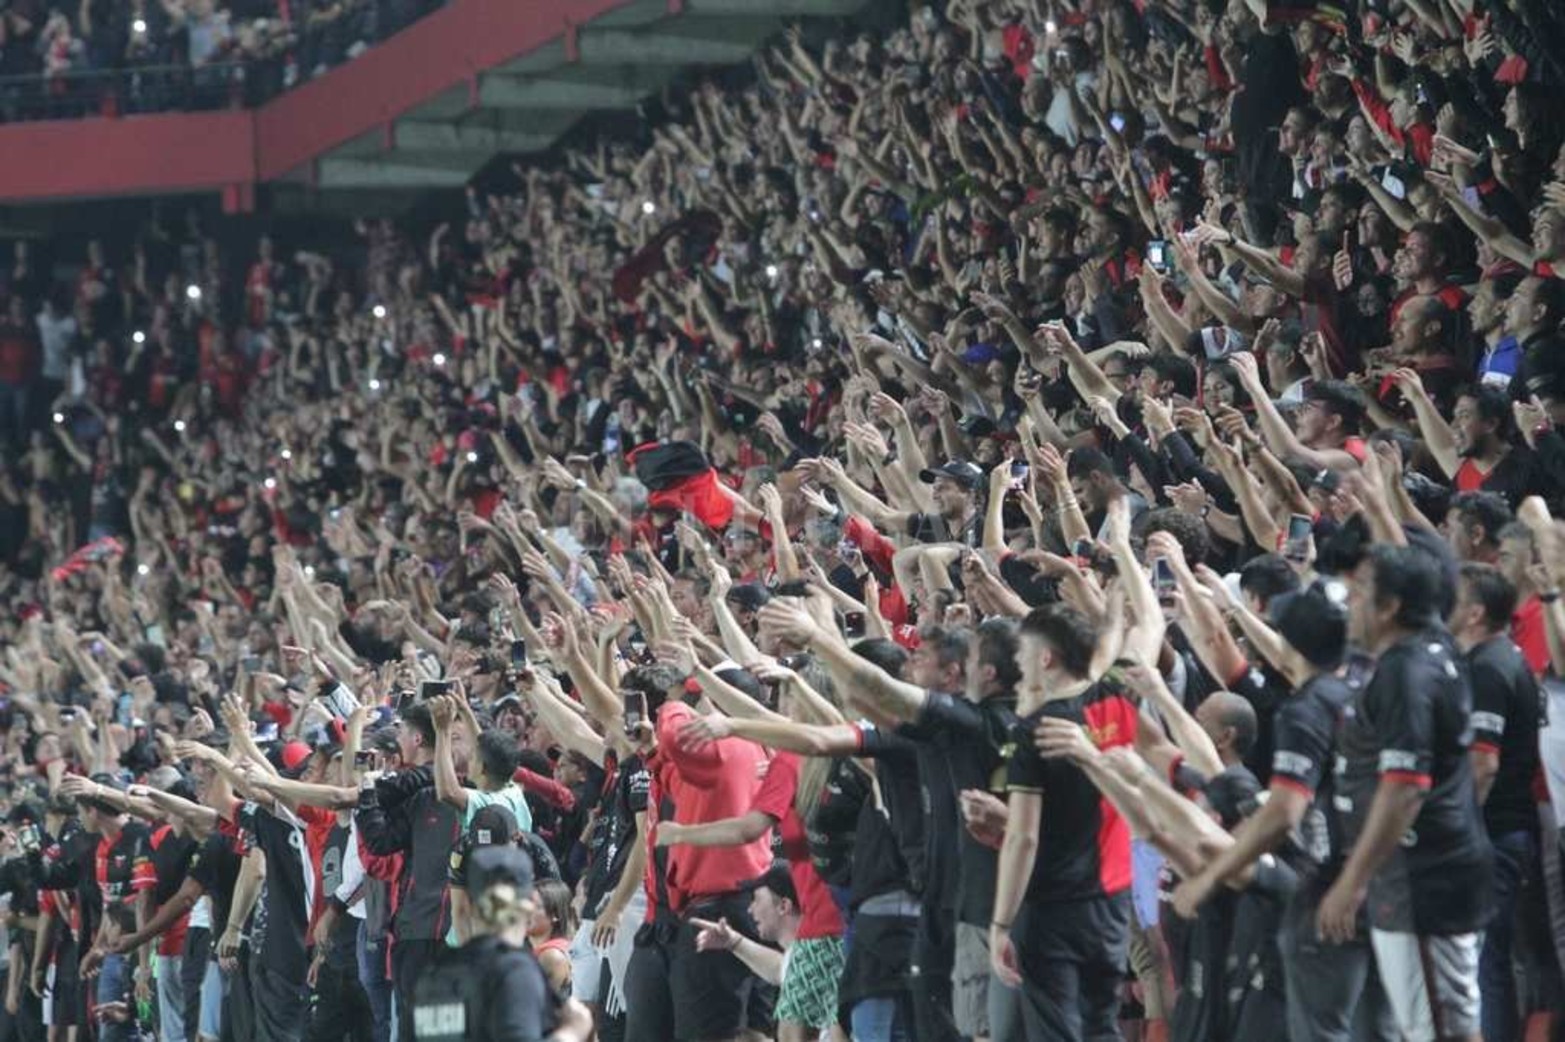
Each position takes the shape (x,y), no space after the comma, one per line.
(352,875)
(55,336)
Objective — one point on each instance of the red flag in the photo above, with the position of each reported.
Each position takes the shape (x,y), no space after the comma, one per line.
(680,479)
(701,496)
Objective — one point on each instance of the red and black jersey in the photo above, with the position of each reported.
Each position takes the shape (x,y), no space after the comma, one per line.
(123,867)
(1411,724)
(1084,843)
(1304,757)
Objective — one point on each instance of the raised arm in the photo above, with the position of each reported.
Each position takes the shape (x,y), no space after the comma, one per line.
(448,787)
(1438,436)
(858,677)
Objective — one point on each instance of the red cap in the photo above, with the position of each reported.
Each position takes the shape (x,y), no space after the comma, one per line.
(293,754)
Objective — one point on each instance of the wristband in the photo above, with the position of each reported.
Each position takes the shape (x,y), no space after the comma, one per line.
(1549,597)
(995,922)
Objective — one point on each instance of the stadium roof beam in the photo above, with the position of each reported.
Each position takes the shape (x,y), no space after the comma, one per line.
(557,93)
(681,42)
(333,172)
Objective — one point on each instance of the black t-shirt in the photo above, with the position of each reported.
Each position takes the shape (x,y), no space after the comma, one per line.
(1410,724)
(171,856)
(977,740)
(289,893)
(832,826)
(889,852)
(1515,477)
(1507,708)
(942,814)
(215,866)
(1265,692)
(1084,844)
(614,833)
(1306,739)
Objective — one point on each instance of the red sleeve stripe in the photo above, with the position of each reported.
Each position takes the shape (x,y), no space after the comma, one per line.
(1488,748)
(1422,781)
(1280,782)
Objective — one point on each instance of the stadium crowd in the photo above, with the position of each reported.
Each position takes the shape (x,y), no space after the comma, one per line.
(107,57)
(1035,523)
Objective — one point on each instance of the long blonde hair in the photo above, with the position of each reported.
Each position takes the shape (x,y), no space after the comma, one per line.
(815,770)
(502,907)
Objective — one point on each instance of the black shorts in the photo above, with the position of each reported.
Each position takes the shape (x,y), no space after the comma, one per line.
(675,992)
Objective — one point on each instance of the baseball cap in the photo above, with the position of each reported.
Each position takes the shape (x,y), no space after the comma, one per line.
(777,879)
(493,865)
(961,471)
(510,700)
(1314,621)
(1232,794)
(107,781)
(290,758)
(493,825)
(749,596)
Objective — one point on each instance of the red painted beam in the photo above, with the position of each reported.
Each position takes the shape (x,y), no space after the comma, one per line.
(130,155)
(178,152)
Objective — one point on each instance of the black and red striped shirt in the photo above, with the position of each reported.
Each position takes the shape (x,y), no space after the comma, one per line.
(1084,843)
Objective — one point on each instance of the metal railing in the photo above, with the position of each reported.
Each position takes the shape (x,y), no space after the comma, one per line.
(242,83)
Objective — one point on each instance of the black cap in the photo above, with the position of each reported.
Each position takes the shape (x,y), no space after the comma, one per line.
(749,596)
(1232,794)
(107,781)
(777,879)
(492,826)
(1314,621)
(958,470)
(491,866)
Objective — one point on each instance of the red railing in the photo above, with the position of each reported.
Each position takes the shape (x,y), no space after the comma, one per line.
(234,151)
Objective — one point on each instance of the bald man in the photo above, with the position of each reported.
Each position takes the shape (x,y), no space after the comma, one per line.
(1230,722)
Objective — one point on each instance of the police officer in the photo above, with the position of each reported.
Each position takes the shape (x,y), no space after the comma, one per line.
(492,989)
